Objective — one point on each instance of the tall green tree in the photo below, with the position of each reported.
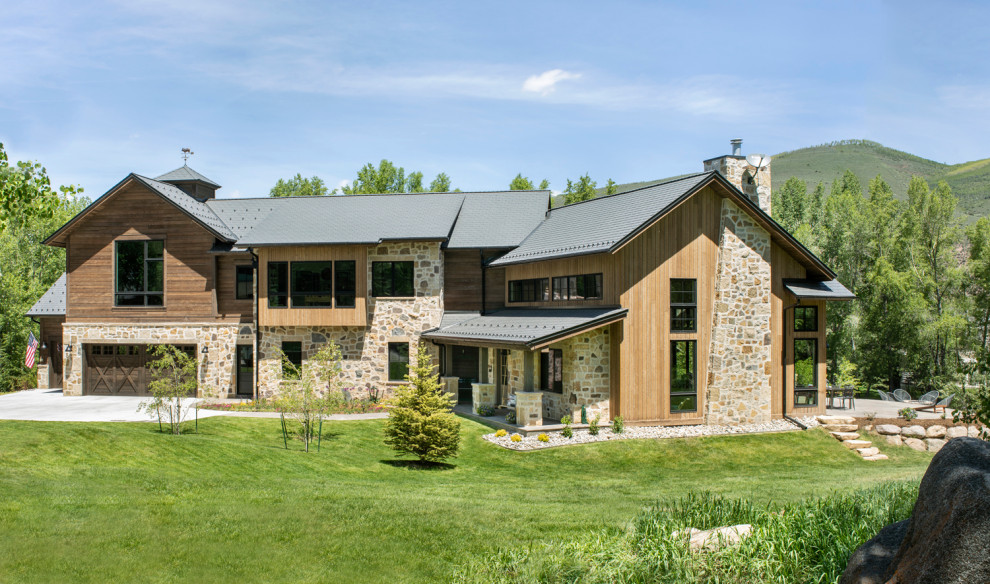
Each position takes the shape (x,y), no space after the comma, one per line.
(441,184)
(789,204)
(298,186)
(414,184)
(26,191)
(611,188)
(521,183)
(978,278)
(385,178)
(582,190)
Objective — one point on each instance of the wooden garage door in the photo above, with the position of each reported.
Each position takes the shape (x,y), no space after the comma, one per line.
(119,369)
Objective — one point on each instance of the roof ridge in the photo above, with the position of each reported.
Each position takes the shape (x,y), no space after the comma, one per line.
(661,183)
(535,191)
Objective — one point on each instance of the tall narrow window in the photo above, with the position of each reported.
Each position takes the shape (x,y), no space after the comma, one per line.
(345,283)
(398,361)
(311,284)
(245,283)
(683,305)
(806,318)
(140,277)
(684,376)
(293,354)
(805,372)
(551,370)
(392,279)
(278,284)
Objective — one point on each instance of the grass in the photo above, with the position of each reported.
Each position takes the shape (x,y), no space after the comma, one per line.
(121,502)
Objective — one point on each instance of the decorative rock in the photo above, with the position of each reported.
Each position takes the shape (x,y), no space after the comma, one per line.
(826,420)
(840,427)
(915,444)
(845,435)
(876,457)
(888,429)
(956,432)
(864,452)
(719,537)
(870,561)
(913,432)
(895,440)
(935,431)
(934,444)
(855,444)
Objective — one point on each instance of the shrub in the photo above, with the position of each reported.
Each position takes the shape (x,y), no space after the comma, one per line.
(485,410)
(421,422)
(501,432)
(974,409)
(515,438)
(510,418)
(173,377)
(567,432)
(907,413)
(618,425)
(543,438)
(310,394)
(593,425)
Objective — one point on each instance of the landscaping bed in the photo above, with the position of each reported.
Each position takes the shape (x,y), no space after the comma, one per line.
(354,406)
(901,422)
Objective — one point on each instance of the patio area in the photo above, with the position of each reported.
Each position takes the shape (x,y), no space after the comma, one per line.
(497,421)
(883,409)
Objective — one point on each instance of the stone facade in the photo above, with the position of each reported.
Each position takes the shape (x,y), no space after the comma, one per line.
(42,373)
(746,177)
(739,364)
(216,368)
(365,349)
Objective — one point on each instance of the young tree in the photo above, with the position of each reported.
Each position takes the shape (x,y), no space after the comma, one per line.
(420,422)
(308,397)
(173,377)
(298,186)
(582,190)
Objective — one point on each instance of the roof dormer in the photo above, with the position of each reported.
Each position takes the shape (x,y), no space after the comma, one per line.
(191,182)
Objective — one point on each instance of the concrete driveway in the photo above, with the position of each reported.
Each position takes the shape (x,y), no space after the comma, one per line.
(49,405)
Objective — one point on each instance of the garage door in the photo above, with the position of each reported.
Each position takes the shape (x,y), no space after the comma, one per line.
(119,369)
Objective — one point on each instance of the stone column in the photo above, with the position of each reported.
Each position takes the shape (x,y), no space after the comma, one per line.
(529,408)
(482,394)
(450,385)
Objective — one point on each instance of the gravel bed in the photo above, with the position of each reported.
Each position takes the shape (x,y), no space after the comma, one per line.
(641,432)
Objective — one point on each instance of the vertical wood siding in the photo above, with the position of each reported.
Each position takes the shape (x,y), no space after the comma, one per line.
(356,316)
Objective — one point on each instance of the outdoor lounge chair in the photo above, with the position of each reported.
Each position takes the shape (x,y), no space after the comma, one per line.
(901,395)
(885,396)
(941,404)
(928,399)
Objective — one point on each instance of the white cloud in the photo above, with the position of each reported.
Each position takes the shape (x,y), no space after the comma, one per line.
(546,82)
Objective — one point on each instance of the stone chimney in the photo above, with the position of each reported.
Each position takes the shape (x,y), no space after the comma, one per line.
(753,181)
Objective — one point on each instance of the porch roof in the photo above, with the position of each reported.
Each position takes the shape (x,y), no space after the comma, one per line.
(813,290)
(52,302)
(527,328)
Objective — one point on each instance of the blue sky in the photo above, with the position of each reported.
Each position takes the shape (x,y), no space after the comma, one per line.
(624,90)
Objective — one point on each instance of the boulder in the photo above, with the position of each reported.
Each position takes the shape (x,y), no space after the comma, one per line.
(934,444)
(840,427)
(895,440)
(824,420)
(947,538)
(935,431)
(710,539)
(956,432)
(915,444)
(854,444)
(888,429)
(914,432)
(845,435)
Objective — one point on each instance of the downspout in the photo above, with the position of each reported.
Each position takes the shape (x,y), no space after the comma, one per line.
(783,378)
(481,253)
(257,330)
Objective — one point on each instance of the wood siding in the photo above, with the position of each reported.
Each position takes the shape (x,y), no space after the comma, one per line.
(357,316)
(228,306)
(602,263)
(135,213)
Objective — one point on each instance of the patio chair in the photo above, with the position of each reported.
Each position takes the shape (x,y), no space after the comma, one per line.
(928,399)
(885,396)
(901,395)
(942,404)
(848,396)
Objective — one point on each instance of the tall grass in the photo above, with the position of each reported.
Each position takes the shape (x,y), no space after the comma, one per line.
(808,542)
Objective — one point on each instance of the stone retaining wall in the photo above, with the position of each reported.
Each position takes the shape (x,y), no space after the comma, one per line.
(930,439)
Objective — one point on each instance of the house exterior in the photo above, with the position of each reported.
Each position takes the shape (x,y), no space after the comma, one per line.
(678,303)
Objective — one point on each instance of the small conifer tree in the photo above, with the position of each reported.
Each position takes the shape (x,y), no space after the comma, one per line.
(421,422)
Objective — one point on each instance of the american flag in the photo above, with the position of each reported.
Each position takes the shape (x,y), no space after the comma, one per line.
(31,349)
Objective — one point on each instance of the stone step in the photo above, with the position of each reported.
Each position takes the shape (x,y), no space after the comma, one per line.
(856,444)
(825,420)
(876,457)
(840,436)
(872,451)
(840,427)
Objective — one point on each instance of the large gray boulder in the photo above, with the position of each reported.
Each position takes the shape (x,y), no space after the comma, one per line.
(947,539)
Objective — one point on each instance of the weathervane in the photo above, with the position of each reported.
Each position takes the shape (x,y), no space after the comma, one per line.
(186,153)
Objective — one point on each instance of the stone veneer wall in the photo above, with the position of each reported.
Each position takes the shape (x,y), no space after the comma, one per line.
(365,349)
(739,362)
(735,168)
(216,375)
(42,372)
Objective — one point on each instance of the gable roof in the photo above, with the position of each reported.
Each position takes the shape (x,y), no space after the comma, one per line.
(197,211)
(525,327)
(498,219)
(52,302)
(184,173)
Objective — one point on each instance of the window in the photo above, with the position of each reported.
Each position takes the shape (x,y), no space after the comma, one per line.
(683,305)
(805,372)
(140,267)
(806,318)
(278,284)
(535,290)
(503,367)
(245,283)
(583,287)
(551,370)
(293,354)
(392,279)
(398,361)
(311,284)
(345,283)
(684,376)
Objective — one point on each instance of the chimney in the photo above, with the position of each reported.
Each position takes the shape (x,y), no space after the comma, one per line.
(753,181)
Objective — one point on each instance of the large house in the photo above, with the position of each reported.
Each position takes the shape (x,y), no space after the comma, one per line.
(682,302)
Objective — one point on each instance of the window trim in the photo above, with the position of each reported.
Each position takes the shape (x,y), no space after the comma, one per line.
(671,393)
(674,320)
(540,288)
(143,293)
(412,266)
(238,270)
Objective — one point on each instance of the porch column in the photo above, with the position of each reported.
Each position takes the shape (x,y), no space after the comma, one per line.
(529,408)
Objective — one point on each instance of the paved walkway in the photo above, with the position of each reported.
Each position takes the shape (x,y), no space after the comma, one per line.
(883,409)
(49,405)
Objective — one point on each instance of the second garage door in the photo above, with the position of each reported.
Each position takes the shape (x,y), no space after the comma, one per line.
(119,369)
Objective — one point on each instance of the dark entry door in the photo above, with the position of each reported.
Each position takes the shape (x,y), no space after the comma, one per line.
(54,362)
(245,371)
(464,365)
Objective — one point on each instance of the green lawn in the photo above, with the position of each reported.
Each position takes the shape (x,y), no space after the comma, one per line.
(123,503)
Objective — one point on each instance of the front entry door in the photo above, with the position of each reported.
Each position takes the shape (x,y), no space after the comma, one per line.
(464,365)
(245,371)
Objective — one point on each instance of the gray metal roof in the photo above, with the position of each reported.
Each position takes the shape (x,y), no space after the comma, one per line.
(52,302)
(528,327)
(828,290)
(202,213)
(241,215)
(499,219)
(184,173)
(597,225)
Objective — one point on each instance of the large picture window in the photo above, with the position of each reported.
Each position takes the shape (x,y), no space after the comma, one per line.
(683,376)
(311,284)
(683,305)
(140,273)
(805,372)
(278,284)
(583,287)
(398,361)
(392,279)
(345,283)
(245,283)
(533,290)
(806,318)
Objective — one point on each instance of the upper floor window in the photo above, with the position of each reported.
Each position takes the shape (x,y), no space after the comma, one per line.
(583,287)
(245,283)
(534,290)
(683,305)
(278,284)
(806,318)
(311,284)
(345,283)
(392,279)
(140,273)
